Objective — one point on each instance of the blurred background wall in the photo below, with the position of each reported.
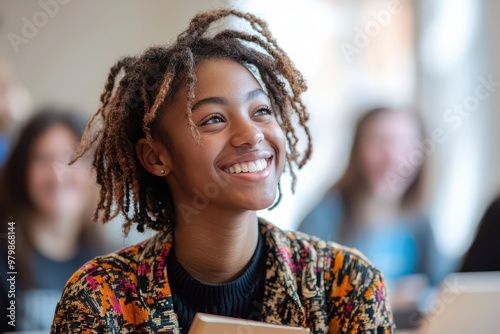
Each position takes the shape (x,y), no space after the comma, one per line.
(458,94)
(431,54)
(68,58)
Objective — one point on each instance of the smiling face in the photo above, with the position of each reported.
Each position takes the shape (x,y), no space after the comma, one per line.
(55,189)
(388,138)
(241,154)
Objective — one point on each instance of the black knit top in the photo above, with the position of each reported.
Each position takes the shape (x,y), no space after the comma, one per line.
(241,298)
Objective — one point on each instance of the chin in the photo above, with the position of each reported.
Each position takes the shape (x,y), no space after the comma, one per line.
(260,201)
(260,206)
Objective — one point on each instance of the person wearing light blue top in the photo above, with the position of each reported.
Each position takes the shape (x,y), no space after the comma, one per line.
(4,148)
(376,206)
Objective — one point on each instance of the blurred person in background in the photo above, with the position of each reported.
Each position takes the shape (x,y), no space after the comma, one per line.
(376,206)
(15,101)
(51,205)
(484,253)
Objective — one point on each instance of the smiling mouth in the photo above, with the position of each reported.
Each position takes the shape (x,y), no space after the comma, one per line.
(253,166)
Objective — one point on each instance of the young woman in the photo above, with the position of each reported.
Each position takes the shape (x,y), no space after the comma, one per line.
(376,205)
(49,204)
(192,143)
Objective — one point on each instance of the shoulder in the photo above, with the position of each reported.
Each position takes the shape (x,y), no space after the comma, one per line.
(331,201)
(326,255)
(333,257)
(492,214)
(106,288)
(337,281)
(325,216)
(107,264)
(353,288)
(100,275)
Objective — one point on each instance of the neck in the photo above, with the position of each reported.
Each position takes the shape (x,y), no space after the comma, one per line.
(55,237)
(375,209)
(217,246)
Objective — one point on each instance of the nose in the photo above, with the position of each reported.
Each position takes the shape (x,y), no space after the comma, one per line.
(246,133)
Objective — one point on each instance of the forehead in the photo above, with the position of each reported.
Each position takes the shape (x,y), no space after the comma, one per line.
(57,137)
(216,77)
(393,122)
(219,78)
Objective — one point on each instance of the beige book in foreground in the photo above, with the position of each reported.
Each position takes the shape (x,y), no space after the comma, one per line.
(215,324)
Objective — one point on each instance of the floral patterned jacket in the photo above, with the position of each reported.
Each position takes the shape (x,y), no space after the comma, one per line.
(309,283)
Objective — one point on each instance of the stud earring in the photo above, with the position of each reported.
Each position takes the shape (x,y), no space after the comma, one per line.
(162,171)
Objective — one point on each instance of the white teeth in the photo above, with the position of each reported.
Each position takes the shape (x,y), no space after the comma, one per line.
(252,168)
(248,167)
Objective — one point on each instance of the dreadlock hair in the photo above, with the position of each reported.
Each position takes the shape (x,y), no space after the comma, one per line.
(149,83)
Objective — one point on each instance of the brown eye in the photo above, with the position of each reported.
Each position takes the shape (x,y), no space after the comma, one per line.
(212,119)
(264,111)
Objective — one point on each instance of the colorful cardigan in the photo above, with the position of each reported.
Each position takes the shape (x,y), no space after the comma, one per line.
(310,283)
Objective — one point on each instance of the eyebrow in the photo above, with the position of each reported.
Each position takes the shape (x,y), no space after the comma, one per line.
(254,93)
(220,100)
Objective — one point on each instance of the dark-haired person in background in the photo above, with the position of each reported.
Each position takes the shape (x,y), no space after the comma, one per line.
(51,206)
(376,206)
(484,253)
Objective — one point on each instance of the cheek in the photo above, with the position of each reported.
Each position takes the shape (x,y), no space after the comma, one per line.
(37,181)
(191,162)
(40,189)
(368,152)
(276,137)
(372,159)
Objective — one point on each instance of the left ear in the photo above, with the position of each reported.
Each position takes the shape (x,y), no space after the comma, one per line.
(154,157)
